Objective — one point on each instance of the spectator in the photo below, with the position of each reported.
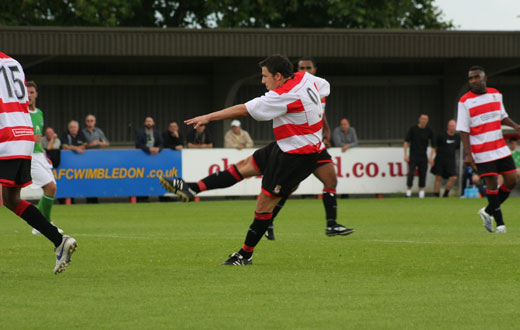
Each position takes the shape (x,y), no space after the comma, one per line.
(199,138)
(52,144)
(95,136)
(73,139)
(172,137)
(50,140)
(236,137)
(417,138)
(148,138)
(344,136)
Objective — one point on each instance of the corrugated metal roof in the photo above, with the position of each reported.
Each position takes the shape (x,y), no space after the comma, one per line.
(324,43)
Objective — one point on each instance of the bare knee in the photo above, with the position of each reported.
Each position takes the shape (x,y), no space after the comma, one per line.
(327,175)
(50,189)
(246,168)
(10,198)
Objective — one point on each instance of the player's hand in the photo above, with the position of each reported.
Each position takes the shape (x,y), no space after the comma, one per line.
(326,141)
(469,161)
(37,138)
(197,121)
(407,159)
(431,162)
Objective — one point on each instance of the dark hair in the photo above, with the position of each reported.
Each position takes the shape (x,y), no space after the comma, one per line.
(31,83)
(278,64)
(477,68)
(308,58)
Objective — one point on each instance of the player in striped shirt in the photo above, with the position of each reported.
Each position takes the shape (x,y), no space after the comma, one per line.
(481,113)
(293,103)
(16,147)
(324,171)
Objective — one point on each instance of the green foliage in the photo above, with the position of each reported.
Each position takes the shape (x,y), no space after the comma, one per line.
(373,14)
(411,264)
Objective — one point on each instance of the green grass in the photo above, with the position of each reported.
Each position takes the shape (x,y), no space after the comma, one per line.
(412,264)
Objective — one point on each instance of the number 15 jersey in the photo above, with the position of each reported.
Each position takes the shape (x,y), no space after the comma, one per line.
(296,111)
(16,131)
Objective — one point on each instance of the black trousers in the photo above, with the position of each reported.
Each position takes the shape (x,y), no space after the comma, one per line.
(422,166)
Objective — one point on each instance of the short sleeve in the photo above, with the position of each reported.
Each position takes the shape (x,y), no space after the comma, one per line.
(463,124)
(267,107)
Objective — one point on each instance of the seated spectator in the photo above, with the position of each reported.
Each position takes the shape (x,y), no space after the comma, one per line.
(344,136)
(199,138)
(73,139)
(51,144)
(172,137)
(148,138)
(95,136)
(236,137)
(50,140)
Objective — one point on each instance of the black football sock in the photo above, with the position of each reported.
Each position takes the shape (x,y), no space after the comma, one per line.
(503,193)
(446,193)
(35,219)
(493,207)
(255,233)
(331,206)
(277,209)
(222,179)
(437,194)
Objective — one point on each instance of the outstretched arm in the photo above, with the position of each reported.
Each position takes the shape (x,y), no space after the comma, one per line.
(235,111)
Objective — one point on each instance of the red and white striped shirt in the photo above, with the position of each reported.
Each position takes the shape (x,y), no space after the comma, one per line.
(297,113)
(16,131)
(481,115)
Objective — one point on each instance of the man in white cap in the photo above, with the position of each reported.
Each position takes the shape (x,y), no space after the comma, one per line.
(236,137)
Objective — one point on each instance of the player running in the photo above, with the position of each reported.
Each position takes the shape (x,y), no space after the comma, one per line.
(293,103)
(480,115)
(16,147)
(41,168)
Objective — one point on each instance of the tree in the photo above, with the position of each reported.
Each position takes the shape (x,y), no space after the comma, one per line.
(383,14)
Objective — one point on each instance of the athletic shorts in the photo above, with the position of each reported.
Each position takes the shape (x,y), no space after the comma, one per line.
(15,172)
(444,167)
(323,158)
(282,171)
(496,167)
(41,170)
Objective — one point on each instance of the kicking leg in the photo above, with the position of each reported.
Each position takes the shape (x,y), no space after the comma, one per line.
(235,173)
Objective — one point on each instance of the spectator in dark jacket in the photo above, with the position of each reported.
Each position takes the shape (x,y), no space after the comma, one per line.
(148,138)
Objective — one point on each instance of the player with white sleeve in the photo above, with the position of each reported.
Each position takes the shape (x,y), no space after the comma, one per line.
(293,103)
(481,113)
(16,147)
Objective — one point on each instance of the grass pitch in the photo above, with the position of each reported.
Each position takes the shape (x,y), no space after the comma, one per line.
(412,264)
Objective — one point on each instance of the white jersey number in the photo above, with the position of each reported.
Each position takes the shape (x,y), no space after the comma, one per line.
(14,84)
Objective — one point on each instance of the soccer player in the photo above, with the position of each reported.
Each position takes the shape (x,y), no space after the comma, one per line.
(293,103)
(41,168)
(480,115)
(16,147)
(324,172)
(444,164)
